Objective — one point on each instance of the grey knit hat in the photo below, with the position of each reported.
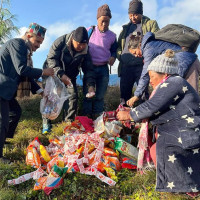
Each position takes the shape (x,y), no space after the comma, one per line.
(165,63)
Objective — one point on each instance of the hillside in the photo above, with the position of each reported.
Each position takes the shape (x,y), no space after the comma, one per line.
(76,186)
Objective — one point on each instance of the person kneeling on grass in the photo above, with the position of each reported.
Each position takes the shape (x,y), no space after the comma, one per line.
(174,109)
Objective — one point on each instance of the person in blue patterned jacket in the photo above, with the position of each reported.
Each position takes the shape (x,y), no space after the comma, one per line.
(174,109)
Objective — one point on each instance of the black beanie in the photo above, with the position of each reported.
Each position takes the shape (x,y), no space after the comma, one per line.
(135,7)
(80,35)
(104,10)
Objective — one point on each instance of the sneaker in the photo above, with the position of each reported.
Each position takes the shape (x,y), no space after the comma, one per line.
(4,160)
(46,128)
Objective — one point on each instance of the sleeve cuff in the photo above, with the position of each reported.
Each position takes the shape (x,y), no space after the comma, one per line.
(39,91)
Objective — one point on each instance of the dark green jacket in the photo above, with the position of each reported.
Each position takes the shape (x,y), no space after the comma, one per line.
(147,26)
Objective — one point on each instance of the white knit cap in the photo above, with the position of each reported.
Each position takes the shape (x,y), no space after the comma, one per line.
(165,63)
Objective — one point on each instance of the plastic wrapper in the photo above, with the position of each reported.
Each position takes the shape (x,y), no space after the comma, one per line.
(112,129)
(126,149)
(59,161)
(58,171)
(74,127)
(109,152)
(110,162)
(52,183)
(36,143)
(111,173)
(99,124)
(110,115)
(32,157)
(40,183)
(44,153)
(129,163)
(55,94)
(33,175)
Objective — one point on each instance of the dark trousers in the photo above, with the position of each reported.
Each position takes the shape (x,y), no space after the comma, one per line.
(129,76)
(96,105)
(10,113)
(70,105)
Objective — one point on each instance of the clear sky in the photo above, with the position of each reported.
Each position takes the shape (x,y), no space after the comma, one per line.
(63,16)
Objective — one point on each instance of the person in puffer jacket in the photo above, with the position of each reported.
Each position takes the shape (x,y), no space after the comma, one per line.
(148,48)
(68,56)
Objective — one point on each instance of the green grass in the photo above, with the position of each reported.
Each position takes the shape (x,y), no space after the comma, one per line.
(131,185)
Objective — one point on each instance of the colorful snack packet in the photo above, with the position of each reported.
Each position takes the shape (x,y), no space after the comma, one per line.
(125,148)
(44,153)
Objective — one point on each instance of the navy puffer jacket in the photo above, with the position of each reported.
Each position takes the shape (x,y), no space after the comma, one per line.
(152,48)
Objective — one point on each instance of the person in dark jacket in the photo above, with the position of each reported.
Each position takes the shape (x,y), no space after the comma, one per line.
(68,56)
(15,55)
(102,47)
(174,110)
(148,47)
(130,67)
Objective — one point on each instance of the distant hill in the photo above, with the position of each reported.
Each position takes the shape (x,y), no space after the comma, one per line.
(113,80)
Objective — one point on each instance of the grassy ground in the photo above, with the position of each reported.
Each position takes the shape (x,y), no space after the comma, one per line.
(131,185)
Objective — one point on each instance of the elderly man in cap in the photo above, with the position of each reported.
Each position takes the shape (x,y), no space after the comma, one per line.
(15,62)
(102,48)
(130,67)
(67,55)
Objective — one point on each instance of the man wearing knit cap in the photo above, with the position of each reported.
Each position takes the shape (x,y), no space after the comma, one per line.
(102,48)
(15,63)
(69,55)
(130,67)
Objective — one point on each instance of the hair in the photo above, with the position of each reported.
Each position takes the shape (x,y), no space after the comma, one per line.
(31,34)
(169,53)
(135,40)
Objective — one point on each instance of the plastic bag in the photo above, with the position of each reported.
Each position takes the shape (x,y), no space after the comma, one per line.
(55,94)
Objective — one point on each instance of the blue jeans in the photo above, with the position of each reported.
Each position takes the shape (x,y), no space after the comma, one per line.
(96,104)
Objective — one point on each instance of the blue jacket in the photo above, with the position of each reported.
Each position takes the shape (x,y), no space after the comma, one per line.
(13,65)
(151,48)
(174,110)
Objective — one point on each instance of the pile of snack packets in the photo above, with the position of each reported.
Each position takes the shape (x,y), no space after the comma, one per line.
(92,148)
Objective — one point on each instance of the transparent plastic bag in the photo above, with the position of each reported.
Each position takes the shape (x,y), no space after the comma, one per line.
(55,94)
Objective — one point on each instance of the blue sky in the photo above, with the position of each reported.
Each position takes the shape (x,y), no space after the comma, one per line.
(63,16)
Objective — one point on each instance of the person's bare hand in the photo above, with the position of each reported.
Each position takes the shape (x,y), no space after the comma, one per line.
(123,115)
(66,80)
(48,72)
(42,93)
(111,61)
(91,92)
(132,101)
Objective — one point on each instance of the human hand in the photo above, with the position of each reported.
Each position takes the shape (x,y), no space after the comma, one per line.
(91,92)
(123,115)
(66,80)
(48,72)
(42,93)
(132,100)
(111,61)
